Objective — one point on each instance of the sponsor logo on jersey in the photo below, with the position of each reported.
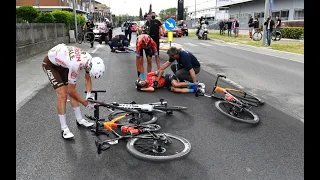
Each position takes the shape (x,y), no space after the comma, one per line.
(59,61)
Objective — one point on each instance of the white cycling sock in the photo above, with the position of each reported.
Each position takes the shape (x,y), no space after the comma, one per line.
(77,113)
(63,123)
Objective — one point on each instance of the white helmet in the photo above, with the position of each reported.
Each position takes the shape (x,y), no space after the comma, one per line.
(96,67)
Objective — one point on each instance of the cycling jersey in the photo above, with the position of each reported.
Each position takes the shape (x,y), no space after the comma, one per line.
(69,57)
(140,46)
(152,77)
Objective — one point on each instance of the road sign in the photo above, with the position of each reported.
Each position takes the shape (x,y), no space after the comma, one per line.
(170,24)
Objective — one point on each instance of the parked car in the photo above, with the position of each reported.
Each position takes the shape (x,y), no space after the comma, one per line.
(177,32)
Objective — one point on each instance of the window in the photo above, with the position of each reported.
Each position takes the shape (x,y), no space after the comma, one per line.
(284,14)
(274,14)
(298,14)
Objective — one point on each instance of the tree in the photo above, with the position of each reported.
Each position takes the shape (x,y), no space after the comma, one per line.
(140,14)
(150,9)
(167,13)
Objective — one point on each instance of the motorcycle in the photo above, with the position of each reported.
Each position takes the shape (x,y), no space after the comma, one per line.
(203,33)
(184,30)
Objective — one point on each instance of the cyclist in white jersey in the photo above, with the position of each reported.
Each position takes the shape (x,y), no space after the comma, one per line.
(62,66)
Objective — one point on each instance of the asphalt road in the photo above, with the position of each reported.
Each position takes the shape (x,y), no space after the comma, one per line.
(221,148)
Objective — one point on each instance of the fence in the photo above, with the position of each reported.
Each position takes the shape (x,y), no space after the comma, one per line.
(35,38)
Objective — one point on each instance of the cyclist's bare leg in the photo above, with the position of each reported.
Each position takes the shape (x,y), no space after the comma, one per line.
(177,84)
(149,61)
(181,90)
(62,99)
(139,65)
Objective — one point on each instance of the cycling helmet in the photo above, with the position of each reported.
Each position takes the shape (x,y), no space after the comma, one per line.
(96,67)
(140,83)
(146,41)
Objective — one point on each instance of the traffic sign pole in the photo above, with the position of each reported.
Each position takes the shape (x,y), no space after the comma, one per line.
(170,24)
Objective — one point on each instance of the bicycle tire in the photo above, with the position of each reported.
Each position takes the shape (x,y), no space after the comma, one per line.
(171,108)
(255,118)
(115,114)
(133,151)
(80,38)
(86,37)
(248,98)
(257,36)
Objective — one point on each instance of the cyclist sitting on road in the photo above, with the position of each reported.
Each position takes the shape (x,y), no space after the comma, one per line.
(187,64)
(156,80)
(118,42)
(62,66)
(146,43)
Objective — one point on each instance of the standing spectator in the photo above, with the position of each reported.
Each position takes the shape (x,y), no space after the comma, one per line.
(250,25)
(128,30)
(235,26)
(255,23)
(154,29)
(278,23)
(90,27)
(229,27)
(221,26)
(269,23)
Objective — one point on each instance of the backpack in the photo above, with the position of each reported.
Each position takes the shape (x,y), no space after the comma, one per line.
(237,24)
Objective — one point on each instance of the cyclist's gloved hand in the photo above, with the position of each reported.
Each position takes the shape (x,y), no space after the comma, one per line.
(155,84)
(89,96)
(90,106)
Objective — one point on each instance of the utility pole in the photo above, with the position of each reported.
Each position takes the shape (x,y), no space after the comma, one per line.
(215,12)
(38,4)
(195,12)
(266,13)
(75,19)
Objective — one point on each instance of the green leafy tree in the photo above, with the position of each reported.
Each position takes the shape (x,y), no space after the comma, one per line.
(45,17)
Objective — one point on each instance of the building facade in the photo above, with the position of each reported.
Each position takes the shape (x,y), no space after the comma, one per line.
(288,11)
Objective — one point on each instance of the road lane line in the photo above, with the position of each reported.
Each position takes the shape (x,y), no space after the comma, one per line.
(205,44)
(190,44)
(98,46)
(236,46)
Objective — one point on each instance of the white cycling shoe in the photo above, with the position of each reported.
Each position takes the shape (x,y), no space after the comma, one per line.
(66,134)
(202,85)
(84,123)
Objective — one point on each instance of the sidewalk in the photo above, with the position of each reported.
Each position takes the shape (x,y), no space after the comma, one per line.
(30,77)
(246,32)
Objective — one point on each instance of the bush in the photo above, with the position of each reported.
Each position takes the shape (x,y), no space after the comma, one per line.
(292,32)
(27,12)
(45,17)
(62,17)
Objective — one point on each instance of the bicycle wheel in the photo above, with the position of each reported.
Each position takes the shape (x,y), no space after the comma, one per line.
(257,36)
(236,112)
(146,147)
(146,118)
(278,36)
(88,37)
(247,98)
(80,38)
(170,108)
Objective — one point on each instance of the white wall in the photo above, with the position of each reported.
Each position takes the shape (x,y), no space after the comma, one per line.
(243,10)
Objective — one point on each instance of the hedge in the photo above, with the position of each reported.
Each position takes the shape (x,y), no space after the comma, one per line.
(27,13)
(292,32)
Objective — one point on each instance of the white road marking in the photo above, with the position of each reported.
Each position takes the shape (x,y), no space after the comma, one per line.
(264,52)
(205,44)
(190,44)
(98,46)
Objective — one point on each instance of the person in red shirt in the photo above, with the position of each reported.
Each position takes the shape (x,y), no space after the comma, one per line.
(146,43)
(155,80)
